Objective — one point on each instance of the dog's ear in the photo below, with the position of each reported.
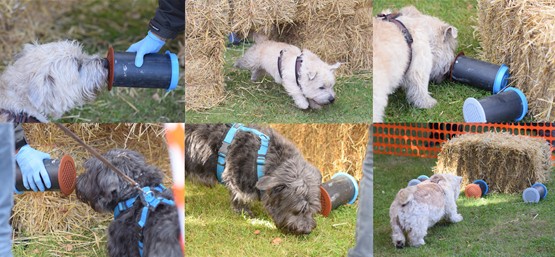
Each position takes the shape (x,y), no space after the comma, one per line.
(312,75)
(267,182)
(436,178)
(335,66)
(450,31)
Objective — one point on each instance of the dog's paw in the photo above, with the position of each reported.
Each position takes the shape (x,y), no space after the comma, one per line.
(314,105)
(416,242)
(302,103)
(426,103)
(456,218)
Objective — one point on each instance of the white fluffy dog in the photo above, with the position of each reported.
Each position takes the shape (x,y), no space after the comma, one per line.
(412,59)
(47,80)
(304,76)
(417,208)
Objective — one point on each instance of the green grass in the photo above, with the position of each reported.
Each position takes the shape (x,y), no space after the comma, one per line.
(213,229)
(498,225)
(266,100)
(100,24)
(450,95)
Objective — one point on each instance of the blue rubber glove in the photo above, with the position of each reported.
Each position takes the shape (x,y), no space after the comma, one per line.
(31,164)
(150,44)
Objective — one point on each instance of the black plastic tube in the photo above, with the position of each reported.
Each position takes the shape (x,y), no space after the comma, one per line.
(509,105)
(341,189)
(480,74)
(157,71)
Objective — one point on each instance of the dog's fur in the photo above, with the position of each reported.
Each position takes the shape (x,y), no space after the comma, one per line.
(47,80)
(316,77)
(417,208)
(432,55)
(289,188)
(102,189)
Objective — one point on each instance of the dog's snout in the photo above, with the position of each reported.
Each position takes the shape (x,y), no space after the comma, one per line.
(399,244)
(331,99)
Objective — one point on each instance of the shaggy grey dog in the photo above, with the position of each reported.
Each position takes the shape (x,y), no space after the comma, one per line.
(47,80)
(289,189)
(102,189)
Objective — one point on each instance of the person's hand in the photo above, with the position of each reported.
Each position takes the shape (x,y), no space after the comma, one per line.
(150,44)
(32,168)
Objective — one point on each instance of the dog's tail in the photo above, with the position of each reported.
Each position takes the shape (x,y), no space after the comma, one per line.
(259,38)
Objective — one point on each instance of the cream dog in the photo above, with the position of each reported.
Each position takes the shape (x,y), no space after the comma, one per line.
(417,208)
(47,80)
(304,76)
(410,57)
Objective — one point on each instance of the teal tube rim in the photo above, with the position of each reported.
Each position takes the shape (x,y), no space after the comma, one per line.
(175,71)
(501,79)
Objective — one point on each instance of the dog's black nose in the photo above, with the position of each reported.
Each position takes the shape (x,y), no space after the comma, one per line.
(331,99)
(399,244)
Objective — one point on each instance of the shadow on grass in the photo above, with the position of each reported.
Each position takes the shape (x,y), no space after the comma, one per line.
(497,225)
(213,229)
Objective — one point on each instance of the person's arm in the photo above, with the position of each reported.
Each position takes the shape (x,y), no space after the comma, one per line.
(169,19)
(166,24)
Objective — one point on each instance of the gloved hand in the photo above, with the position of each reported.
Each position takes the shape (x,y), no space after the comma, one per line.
(150,44)
(32,168)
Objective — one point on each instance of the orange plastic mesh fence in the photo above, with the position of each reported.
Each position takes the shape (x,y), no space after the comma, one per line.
(425,139)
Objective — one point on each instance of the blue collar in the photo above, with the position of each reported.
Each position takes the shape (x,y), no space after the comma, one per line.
(262,151)
(149,200)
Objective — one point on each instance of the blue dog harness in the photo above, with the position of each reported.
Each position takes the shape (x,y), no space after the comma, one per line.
(150,202)
(261,158)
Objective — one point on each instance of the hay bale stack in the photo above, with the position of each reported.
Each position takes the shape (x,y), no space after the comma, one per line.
(263,16)
(37,214)
(204,76)
(337,31)
(521,34)
(207,26)
(329,147)
(508,163)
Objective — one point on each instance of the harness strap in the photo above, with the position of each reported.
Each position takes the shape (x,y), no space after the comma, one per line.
(149,200)
(228,139)
(279,62)
(298,64)
(392,17)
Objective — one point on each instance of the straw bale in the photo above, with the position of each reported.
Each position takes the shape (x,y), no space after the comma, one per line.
(261,15)
(49,212)
(337,31)
(204,57)
(508,163)
(23,21)
(330,147)
(521,34)
(207,18)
